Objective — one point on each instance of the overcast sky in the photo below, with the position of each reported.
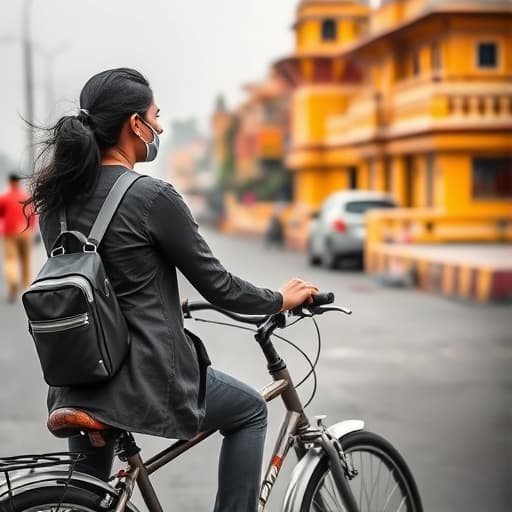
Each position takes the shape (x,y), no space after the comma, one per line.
(190,50)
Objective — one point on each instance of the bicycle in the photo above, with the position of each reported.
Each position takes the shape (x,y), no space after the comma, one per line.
(333,466)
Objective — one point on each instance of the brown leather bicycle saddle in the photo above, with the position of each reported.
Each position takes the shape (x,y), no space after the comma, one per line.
(67,422)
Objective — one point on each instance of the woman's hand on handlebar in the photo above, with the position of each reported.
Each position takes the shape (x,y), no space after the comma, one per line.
(296,292)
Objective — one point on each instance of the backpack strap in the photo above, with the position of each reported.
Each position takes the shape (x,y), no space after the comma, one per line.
(63,220)
(110,205)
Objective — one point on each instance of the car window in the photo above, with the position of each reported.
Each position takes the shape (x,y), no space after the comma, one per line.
(364,206)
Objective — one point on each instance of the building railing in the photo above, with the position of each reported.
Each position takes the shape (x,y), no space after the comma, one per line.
(414,105)
(480,105)
(361,120)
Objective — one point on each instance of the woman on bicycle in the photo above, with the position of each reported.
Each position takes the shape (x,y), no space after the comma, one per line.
(166,386)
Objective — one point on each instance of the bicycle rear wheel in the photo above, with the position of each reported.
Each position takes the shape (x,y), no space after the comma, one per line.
(51,499)
(384,482)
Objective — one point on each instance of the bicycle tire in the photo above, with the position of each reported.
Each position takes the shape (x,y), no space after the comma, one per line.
(320,494)
(48,499)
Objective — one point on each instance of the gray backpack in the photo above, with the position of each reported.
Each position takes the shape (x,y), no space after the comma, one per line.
(75,320)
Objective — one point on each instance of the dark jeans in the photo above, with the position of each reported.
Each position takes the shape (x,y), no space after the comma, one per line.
(240,414)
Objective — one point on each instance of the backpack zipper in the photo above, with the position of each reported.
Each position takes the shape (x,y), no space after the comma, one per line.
(78,281)
(62,324)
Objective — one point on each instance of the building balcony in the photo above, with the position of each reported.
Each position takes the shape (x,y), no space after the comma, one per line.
(362,120)
(414,107)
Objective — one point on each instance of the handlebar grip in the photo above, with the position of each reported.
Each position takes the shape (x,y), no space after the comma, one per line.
(321,298)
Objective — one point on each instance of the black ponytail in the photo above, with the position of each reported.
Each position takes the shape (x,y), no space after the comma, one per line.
(69,162)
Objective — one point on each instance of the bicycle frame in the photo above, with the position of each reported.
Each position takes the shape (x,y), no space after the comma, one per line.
(295,430)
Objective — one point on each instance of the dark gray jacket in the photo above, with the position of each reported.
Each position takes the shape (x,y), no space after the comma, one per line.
(160,388)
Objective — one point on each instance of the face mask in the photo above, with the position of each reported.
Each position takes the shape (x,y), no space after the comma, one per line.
(151,147)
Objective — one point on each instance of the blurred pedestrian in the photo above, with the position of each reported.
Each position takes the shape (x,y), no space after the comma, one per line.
(274,234)
(18,238)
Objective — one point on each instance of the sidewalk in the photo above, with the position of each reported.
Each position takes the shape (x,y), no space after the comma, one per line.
(481,272)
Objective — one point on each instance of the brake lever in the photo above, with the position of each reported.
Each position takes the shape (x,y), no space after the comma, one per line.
(300,311)
(319,310)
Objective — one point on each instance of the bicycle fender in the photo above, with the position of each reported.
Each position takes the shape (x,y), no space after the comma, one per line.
(304,469)
(36,480)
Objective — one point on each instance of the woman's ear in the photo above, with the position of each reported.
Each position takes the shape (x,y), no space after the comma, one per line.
(135,124)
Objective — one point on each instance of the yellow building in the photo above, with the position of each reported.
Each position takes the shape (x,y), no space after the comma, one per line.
(413,97)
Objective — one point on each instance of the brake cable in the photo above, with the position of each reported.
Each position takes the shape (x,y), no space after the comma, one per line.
(311,371)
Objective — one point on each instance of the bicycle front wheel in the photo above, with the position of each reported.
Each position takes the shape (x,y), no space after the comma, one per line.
(384,482)
(51,499)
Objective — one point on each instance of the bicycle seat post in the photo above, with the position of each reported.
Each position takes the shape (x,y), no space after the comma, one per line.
(129,451)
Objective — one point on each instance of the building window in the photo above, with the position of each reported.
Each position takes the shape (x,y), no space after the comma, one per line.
(416,67)
(352,178)
(400,67)
(408,181)
(388,177)
(329,30)
(487,55)
(492,177)
(372,179)
(269,113)
(436,57)
(429,181)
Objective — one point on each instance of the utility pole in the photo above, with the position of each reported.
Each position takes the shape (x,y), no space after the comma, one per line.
(29,81)
(28,48)
(49,55)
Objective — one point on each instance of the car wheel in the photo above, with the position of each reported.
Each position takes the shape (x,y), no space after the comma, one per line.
(329,257)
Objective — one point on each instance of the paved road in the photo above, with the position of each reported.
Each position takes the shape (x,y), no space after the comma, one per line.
(434,376)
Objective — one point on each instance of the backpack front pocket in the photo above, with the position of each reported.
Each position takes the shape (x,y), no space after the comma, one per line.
(68,351)
(60,324)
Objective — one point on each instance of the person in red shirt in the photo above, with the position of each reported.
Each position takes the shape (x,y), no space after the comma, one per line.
(18,237)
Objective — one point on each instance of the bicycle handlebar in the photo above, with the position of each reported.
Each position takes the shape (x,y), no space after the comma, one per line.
(199,305)
(320,299)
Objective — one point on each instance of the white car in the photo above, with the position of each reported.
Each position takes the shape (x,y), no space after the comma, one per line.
(338,228)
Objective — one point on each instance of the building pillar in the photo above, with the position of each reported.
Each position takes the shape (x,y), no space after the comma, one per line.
(304,187)
(335,180)
(312,186)
(398,185)
(419,184)
(363,176)
(378,174)
(453,182)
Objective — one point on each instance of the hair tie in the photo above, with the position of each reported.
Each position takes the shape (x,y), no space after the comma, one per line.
(84,117)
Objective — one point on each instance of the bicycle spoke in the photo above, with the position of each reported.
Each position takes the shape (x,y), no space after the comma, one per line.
(378,479)
(360,488)
(388,482)
(401,504)
(369,486)
(329,488)
(389,497)
(365,491)
(371,481)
